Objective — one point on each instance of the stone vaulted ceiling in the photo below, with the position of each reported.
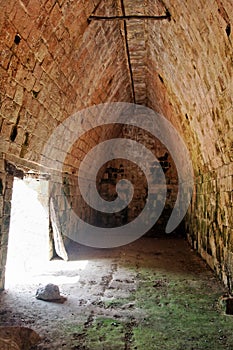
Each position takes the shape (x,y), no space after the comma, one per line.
(58,57)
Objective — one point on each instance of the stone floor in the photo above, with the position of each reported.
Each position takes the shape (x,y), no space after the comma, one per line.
(150,294)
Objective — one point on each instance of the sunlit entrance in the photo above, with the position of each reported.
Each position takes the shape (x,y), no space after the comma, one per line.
(28,241)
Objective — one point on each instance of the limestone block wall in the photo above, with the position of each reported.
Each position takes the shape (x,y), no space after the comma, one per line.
(64,188)
(55,62)
(166,162)
(6,183)
(189,75)
(66,194)
(209,224)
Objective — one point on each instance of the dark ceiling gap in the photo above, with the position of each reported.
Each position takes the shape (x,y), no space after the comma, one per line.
(127,52)
(124,17)
(228,29)
(95,9)
(17,39)
(14,131)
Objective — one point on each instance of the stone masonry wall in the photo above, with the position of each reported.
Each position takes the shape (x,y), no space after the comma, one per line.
(67,196)
(189,75)
(54,62)
(6,184)
(209,224)
(167,164)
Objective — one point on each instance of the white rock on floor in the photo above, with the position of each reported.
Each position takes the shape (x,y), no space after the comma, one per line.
(51,293)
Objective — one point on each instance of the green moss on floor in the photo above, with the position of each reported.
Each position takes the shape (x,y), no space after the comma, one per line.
(181,314)
(105,333)
(157,297)
(99,334)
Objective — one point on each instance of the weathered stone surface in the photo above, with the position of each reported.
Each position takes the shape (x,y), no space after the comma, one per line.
(17,338)
(51,293)
(55,62)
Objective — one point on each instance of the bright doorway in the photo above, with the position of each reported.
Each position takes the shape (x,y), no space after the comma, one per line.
(28,244)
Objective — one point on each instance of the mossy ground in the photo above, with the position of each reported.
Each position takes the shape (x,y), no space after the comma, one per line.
(181,314)
(153,294)
(179,311)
